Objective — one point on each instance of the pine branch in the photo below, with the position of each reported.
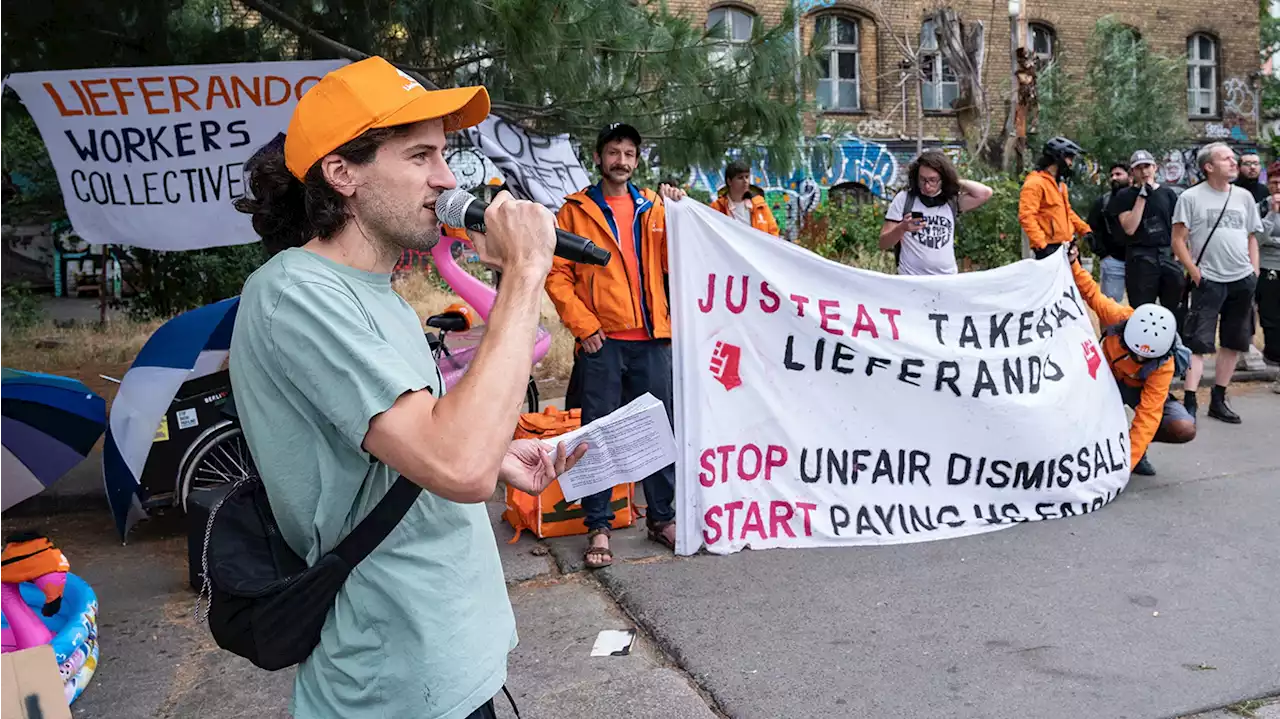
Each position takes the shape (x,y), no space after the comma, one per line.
(456,64)
(297,27)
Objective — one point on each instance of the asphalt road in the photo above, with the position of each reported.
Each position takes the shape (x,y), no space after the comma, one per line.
(1162,604)
(1165,603)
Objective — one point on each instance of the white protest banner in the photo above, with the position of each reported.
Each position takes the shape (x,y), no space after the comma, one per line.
(152,156)
(540,168)
(821,405)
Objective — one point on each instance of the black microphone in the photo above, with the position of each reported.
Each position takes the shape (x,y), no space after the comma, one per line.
(459,208)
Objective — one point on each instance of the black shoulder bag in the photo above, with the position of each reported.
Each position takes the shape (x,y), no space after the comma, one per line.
(1184,305)
(264,603)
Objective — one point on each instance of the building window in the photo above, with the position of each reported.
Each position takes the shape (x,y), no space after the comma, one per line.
(731,27)
(838,74)
(939,86)
(1202,76)
(730,24)
(1042,41)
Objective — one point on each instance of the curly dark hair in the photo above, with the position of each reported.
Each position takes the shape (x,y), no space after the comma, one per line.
(288,212)
(937,161)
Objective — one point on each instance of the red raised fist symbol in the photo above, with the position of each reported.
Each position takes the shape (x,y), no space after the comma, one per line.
(1092,358)
(724,365)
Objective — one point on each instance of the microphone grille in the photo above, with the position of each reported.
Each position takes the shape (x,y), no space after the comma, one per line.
(451,207)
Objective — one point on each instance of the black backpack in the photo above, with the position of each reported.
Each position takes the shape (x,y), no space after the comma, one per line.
(264,603)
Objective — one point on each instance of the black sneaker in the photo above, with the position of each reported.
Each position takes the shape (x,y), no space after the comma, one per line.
(1219,409)
(1144,468)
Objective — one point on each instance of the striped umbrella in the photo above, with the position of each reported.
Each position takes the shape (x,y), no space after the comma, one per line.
(49,425)
(191,345)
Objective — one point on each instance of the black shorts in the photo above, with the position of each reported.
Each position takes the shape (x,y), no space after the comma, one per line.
(1226,306)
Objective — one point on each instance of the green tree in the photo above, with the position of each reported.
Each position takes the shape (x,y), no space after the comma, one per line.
(1269,45)
(575,65)
(1130,97)
(552,66)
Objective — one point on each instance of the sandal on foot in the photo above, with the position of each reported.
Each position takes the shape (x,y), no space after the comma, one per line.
(657,533)
(605,554)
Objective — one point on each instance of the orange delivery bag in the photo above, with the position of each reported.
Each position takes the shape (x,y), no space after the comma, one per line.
(548,514)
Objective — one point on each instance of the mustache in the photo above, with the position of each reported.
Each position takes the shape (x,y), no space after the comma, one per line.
(624,168)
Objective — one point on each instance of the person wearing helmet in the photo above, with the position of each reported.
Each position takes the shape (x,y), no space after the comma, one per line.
(1044,206)
(1138,344)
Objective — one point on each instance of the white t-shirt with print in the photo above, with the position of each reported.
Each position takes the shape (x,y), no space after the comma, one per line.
(931,251)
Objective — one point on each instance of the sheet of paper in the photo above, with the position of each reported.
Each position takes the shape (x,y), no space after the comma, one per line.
(627,445)
(613,643)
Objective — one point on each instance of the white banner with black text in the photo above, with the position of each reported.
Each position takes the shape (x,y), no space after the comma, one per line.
(153,157)
(822,405)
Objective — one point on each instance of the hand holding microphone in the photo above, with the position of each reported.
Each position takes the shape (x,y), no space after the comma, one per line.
(519,239)
(458,208)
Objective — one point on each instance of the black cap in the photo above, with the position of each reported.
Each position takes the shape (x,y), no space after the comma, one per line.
(617,131)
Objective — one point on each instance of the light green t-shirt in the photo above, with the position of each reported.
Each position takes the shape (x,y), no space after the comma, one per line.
(423,625)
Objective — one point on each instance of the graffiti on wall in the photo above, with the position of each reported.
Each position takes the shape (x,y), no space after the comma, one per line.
(855,162)
(1237,97)
(472,169)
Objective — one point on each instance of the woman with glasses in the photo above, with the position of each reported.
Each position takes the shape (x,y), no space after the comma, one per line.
(920,225)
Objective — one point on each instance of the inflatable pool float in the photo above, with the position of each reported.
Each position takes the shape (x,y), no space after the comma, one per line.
(46,604)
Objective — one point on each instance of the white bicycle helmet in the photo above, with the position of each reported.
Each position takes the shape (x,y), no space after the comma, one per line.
(1149,333)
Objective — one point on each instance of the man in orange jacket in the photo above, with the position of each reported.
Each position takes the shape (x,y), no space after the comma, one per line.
(739,201)
(1044,207)
(1138,345)
(620,315)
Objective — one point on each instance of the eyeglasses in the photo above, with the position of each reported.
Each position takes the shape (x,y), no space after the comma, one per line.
(1251,163)
(930,180)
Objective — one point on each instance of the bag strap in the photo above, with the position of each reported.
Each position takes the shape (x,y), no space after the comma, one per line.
(375,527)
(1215,225)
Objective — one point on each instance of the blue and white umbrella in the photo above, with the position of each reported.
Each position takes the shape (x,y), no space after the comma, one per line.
(191,345)
(50,425)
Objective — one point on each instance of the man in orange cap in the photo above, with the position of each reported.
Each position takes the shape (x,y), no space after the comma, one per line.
(339,396)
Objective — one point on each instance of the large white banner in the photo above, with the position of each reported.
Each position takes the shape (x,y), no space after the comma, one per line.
(821,405)
(541,168)
(152,156)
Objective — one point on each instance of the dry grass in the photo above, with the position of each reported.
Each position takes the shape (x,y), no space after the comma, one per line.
(426,298)
(83,351)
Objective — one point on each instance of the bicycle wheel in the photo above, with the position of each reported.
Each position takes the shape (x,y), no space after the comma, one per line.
(218,456)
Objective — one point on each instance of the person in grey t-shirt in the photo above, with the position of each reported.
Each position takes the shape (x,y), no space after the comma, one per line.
(1215,228)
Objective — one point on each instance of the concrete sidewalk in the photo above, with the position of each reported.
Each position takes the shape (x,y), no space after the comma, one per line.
(1162,605)
(157,661)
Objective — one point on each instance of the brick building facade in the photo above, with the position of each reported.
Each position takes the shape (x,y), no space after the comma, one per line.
(864,89)
(1218,37)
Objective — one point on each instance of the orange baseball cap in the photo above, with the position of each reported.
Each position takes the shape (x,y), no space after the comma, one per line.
(368,94)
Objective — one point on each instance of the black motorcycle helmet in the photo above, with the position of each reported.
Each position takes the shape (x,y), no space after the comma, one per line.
(1062,147)
(1056,151)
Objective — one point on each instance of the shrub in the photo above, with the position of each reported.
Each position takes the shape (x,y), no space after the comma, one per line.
(21,308)
(166,283)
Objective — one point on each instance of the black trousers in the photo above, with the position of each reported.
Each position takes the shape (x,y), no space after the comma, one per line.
(1268,297)
(1153,274)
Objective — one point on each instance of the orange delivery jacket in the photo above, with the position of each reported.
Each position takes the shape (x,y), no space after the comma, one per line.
(1155,388)
(1044,211)
(591,298)
(761,215)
